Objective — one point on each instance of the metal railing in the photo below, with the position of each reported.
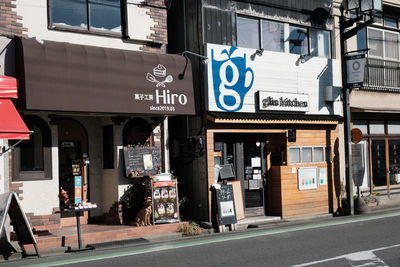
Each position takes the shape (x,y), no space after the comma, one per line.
(382,75)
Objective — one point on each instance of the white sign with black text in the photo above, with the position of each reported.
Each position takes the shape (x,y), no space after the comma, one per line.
(355,66)
(283,101)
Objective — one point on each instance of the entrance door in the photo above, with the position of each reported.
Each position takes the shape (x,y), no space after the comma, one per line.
(72,143)
(254,176)
(246,152)
(379,162)
(68,151)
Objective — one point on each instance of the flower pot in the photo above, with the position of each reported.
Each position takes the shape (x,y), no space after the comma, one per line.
(395,178)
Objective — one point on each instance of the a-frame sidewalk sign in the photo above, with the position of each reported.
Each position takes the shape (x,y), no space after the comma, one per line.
(9,204)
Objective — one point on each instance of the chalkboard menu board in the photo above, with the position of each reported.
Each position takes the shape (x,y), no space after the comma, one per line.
(226,205)
(142,161)
(165,202)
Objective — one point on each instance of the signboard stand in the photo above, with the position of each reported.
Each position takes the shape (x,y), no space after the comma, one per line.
(225,206)
(9,204)
(165,202)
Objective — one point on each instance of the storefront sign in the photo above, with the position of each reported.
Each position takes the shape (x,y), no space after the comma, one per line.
(61,76)
(283,101)
(236,75)
(78,189)
(165,202)
(355,66)
(307,178)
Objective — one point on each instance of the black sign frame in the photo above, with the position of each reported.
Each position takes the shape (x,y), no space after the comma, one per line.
(226,208)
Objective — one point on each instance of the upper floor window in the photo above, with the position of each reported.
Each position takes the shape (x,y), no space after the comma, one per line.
(282,37)
(87,15)
(248,32)
(383,43)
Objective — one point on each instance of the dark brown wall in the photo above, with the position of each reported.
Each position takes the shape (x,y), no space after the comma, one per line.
(9,20)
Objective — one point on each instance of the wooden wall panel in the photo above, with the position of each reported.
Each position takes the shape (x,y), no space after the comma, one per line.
(301,203)
(210,168)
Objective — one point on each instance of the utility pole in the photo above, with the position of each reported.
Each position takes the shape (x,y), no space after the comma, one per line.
(345,34)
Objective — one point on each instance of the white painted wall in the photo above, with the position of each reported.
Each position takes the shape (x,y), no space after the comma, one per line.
(278,72)
(138,21)
(34,14)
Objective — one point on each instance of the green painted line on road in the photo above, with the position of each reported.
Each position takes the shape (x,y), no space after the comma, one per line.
(219,239)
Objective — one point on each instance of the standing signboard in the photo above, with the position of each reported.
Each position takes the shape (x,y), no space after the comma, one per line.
(165,202)
(225,204)
(9,204)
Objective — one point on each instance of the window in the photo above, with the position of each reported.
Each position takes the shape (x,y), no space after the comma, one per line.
(248,32)
(282,37)
(32,158)
(298,40)
(375,42)
(294,155)
(272,36)
(108,147)
(320,43)
(307,154)
(377,127)
(137,132)
(87,15)
(390,22)
(318,154)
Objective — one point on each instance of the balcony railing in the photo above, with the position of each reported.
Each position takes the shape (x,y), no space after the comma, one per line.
(382,75)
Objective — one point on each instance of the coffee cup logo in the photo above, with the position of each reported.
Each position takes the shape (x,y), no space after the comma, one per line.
(231,79)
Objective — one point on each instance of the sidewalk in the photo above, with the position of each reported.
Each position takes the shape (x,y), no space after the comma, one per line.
(111,236)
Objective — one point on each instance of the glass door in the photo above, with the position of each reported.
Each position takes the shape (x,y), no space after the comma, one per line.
(394,162)
(379,162)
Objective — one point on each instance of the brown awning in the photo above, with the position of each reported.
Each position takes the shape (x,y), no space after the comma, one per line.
(59,76)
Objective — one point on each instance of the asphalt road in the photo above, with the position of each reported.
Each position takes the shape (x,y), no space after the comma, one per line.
(372,240)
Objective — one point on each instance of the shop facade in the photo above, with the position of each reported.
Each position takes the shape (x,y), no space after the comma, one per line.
(270,105)
(373,106)
(268,121)
(85,104)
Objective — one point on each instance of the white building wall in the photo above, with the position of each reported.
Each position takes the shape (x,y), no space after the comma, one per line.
(40,197)
(34,15)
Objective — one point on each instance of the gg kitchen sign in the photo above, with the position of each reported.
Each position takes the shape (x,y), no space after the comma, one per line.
(240,81)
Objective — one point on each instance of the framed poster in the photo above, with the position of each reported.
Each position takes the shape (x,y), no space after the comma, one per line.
(307,178)
(322,176)
(165,202)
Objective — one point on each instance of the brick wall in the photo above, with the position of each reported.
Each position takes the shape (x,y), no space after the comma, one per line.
(9,20)
(158,12)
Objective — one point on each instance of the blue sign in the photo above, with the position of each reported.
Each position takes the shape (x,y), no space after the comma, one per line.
(229,79)
(78,189)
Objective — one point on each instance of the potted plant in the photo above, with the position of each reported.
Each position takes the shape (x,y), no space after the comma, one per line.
(394,172)
(372,200)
